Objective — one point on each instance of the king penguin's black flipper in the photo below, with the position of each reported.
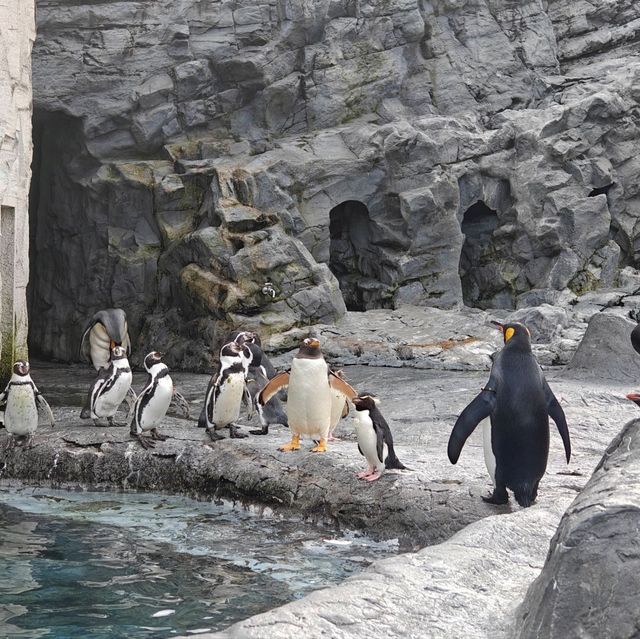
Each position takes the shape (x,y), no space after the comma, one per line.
(480,408)
(557,415)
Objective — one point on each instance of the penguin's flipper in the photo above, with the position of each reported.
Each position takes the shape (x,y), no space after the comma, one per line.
(43,404)
(557,415)
(246,395)
(480,408)
(281,380)
(379,443)
(340,385)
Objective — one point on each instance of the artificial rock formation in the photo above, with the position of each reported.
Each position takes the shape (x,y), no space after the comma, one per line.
(424,152)
(17,32)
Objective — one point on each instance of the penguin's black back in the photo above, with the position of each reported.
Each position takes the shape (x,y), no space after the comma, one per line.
(519,421)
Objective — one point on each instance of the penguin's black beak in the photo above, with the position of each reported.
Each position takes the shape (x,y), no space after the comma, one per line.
(499,326)
(634,397)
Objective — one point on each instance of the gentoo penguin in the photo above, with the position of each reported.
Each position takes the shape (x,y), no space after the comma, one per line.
(518,401)
(339,408)
(110,389)
(309,399)
(22,399)
(152,403)
(272,412)
(106,329)
(373,433)
(225,392)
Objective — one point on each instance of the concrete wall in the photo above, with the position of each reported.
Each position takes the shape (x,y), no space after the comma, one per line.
(17,33)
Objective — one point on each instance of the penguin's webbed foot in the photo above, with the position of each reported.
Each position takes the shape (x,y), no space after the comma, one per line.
(373,476)
(499,496)
(331,438)
(294,444)
(145,442)
(260,431)
(236,433)
(157,436)
(215,436)
(363,474)
(321,447)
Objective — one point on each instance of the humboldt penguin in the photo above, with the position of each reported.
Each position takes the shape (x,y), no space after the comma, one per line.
(250,338)
(225,392)
(106,329)
(21,399)
(110,389)
(519,402)
(153,402)
(272,412)
(309,397)
(373,433)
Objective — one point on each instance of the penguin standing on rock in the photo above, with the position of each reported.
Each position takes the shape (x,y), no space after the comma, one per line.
(106,329)
(110,389)
(309,397)
(519,402)
(225,392)
(22,398)
(153,402)
(373,433)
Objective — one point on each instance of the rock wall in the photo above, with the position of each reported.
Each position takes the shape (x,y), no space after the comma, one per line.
(178,143)
(17,32)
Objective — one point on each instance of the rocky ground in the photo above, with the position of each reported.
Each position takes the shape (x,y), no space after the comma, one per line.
(471,582)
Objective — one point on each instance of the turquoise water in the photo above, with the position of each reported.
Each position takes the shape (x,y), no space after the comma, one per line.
(123,565)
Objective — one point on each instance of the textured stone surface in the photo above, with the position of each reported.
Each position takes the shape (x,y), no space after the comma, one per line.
(589,581)
(17,32)
(157,120)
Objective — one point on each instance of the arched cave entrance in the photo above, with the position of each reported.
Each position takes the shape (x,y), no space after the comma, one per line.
(478,224)
(352,257)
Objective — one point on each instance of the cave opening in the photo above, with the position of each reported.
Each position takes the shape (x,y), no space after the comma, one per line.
(353,258)
(478,224)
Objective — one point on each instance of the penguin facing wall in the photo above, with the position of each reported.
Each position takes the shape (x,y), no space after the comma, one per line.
(106,329)
(519,402)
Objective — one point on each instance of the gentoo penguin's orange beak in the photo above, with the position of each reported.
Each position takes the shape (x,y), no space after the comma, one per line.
(112,344)
(313,342)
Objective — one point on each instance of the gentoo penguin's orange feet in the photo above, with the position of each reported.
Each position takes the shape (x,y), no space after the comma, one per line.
(293,445)
(321,447)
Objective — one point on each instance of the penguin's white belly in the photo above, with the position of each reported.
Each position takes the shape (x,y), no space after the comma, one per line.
(226,409)
(106,405)
(489,457)
(368,441)
(309,398)
(337,406)
(156,408)
(21,412)
(100,347)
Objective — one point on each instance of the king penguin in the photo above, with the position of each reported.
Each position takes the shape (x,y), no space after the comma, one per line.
(21,399)
(519,402)
(309,396)
(373,434)
(106,329)
(110,389)
(153,402)
(225,392)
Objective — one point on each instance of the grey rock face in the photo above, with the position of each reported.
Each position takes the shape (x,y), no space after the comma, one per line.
(588,585)
(426,153)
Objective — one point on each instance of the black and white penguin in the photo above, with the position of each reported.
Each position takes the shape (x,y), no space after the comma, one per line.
(225,392)
(519,402)
(272,412)
(106,329)
(153,402)
(373,433)
(110,389)
(250,339)
(21,399)
(309,397)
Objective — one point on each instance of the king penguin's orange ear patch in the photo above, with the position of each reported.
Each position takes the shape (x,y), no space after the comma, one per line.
(509,333)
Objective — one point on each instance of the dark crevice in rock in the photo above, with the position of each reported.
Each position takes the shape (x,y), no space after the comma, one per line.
(601,190)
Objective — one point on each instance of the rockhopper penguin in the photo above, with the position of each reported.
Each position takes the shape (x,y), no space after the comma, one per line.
(518,401)
(21,399)
(111,388)
(309,396)
(225,392)
(373,434)
(153,402)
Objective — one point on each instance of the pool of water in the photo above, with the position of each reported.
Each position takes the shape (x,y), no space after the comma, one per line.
(131,565)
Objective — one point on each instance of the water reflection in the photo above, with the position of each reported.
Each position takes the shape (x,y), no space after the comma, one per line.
(127,565)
